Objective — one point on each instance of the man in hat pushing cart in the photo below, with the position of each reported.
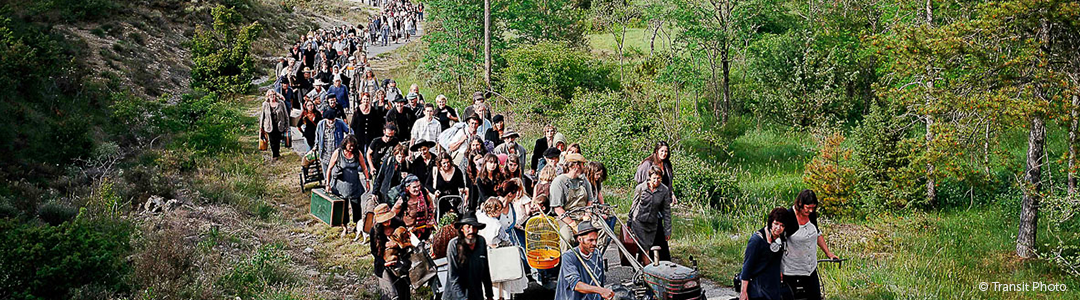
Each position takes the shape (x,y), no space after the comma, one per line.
(581,275)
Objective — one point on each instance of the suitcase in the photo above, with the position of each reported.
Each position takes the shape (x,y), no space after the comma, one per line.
(327,207)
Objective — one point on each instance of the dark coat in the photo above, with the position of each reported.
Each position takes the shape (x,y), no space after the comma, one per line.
(650,211)
(471,280)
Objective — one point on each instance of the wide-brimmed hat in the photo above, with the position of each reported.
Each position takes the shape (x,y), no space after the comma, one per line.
(509,133)
(474,117)
(383,213)
(421,143)
(575,158)
(469,219)
(478,96)
(585,227)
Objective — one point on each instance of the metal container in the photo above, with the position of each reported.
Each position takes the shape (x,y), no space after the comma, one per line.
(671,281)
(327,207)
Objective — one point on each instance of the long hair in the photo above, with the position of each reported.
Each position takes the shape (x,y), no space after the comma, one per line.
(593,169)
(350,139)
(496,176)
(655,157)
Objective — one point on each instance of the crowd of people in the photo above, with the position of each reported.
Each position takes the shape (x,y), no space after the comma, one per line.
(402,162)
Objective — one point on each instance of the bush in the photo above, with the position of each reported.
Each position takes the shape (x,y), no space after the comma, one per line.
(55,213)
(887,176)
(699,181)
(831,176)
(163,261)
(612,128)
(543,78)
(267,267)
(221,57)
(50,262)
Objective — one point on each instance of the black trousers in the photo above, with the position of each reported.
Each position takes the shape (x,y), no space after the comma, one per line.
(275,142)
(357,209)
(661,240)
(804,287)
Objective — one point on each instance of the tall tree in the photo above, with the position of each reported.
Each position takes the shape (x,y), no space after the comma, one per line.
(709,30)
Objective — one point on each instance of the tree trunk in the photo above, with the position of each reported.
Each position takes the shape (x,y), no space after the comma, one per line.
(986,151)
(931,183)
(1029,207)
(1072,144)
(725,84)
(487,43)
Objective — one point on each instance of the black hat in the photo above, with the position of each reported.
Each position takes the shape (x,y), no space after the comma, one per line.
(400,99)
(329,113)
(552,152)
(421,143)
(585,227)
(498,118)
(469,219)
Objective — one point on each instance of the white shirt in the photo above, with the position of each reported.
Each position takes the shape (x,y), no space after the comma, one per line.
(800,258)
(494,231)
(426,130)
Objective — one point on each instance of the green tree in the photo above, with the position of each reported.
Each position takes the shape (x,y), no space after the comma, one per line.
(533,21)
(221,58)
(455,42)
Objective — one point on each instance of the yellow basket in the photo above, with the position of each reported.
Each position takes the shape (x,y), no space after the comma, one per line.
(542,242)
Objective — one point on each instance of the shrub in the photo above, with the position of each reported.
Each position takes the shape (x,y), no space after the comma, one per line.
(163,261)
(831,176)
(611,128)
(267,267)
(699,181)
(55,213)
(887,177)
(221,57)
(50,262)
(543,78)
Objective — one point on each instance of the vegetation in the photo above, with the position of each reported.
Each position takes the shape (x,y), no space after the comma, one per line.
(911,119)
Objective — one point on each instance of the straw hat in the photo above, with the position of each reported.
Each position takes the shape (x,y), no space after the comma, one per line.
(383,213)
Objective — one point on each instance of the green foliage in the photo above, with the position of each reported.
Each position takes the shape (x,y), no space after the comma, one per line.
(207,124)
(704,182)
(221,57)
(267,267)
(888,177)
(533,21)
(50,262)
(454,35)
(50,109)
(612,128)
(71,10)
(543,78)
(831,177)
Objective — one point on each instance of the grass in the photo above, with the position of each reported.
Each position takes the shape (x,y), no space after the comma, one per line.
(907,255)
(637,41)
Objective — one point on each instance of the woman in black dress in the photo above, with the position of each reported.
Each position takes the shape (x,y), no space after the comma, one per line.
(449,181)
(309,121)
(367,122)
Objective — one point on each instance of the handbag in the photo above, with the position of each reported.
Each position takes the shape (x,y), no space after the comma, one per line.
(263,143)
